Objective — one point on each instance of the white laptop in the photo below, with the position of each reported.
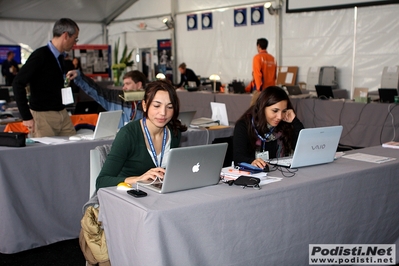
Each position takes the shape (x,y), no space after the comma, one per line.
(186,117)
(191,167)
(314,146)
(219,117)
(107,126)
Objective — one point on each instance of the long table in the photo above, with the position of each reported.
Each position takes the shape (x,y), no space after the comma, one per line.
(42,191)
(344,202)
(43,188)
(365,124)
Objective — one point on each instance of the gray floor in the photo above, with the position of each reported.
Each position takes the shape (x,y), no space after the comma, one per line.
(64,253)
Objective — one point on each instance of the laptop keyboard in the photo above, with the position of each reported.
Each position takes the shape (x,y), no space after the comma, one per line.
(88,136)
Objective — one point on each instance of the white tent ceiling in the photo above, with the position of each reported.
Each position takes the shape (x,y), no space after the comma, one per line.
(359,42)
(90,11)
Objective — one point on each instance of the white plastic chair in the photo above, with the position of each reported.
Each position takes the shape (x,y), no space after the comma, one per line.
(97,159)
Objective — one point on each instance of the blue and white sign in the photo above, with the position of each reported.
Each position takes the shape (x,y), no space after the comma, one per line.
(206,19)
(240,17)
(192,22)
(257,15)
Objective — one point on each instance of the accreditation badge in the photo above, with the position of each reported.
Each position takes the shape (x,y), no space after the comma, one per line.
(264,155)
(67,96)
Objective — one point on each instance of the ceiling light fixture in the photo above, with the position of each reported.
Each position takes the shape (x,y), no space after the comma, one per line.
(273,6)
(168,22)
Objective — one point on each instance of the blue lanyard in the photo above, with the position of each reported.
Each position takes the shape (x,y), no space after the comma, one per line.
(154,154)
(263,140)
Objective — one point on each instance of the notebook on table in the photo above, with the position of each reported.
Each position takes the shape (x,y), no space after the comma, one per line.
(191,167)
(107,126)
(296,92)
(314,146)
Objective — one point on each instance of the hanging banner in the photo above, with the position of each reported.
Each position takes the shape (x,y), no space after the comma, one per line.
(192,22)
(257,15)
(240,17)
(164,58)
(206,19)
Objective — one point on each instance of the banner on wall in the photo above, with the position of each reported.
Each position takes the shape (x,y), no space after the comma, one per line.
(95,59)
(257,15)
(192,22)
(206,19)
(164,58)
(240,17)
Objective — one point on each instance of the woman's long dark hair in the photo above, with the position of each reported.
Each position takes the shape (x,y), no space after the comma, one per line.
(152,88)
(268,97)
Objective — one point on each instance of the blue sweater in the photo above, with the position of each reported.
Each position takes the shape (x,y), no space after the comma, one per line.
(100,95)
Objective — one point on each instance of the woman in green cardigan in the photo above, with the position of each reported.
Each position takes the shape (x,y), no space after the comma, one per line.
(141,148)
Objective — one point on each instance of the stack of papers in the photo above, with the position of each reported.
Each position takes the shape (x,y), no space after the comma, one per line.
(391,144)
(368,158)
(231,173)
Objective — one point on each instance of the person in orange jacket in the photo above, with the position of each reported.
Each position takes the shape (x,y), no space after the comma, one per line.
(264,66)
(264,69)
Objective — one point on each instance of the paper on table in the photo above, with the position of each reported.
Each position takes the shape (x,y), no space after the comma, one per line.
(232,173)
(368,158)
(391,144)
(47,140)
(269,179)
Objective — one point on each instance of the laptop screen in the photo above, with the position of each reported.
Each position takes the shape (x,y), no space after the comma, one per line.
(324,92)
(387,95)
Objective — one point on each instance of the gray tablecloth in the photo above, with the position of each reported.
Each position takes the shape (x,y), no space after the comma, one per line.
(42,191)
(43,188)
(344,202)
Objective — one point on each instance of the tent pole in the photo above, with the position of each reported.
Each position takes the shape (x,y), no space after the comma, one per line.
(173,37)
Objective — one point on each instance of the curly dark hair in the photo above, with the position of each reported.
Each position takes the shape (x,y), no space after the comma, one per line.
(268,97)
(161,85)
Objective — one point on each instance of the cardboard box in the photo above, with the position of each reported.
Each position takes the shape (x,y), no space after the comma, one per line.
(286,75)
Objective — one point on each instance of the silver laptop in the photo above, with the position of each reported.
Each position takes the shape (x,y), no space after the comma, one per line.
(186,117)
(107,126)
(191,167)
(314,146)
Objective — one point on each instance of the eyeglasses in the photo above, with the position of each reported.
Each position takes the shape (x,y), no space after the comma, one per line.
(70,35)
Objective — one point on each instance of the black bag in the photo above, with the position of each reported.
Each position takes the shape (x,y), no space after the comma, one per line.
(247,181)
(12,139)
